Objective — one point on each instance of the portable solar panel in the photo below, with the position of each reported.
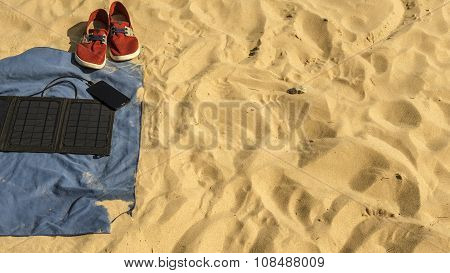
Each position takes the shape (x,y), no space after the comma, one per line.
(55,125)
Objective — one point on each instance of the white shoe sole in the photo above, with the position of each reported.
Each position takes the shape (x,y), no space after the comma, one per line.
(123,58)
(89,65)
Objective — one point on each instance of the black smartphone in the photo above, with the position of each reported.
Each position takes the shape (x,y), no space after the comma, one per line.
(108,95)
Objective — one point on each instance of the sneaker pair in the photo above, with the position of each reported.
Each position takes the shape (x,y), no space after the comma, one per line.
(112,33)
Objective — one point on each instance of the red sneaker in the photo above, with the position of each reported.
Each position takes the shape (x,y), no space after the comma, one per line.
(91,51)
(123,45)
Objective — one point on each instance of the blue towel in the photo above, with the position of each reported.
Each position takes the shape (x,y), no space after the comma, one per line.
(56,194)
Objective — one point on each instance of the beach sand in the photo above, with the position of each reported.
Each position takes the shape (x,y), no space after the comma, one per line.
(369,172)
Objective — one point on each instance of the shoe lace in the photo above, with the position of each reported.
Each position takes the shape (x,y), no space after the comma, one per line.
(93,38)
(125,30)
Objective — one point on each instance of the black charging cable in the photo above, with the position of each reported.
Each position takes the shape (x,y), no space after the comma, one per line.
(57,81)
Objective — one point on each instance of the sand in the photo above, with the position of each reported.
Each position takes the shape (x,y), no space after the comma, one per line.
(369,171)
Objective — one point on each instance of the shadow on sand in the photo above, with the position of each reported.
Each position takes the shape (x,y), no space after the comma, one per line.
(75,33)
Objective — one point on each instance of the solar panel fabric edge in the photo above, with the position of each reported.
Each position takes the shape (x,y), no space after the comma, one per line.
(6,103)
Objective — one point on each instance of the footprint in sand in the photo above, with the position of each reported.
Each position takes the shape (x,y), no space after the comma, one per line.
(379,62)
(401,113)
(317,30)
(293,200)
(351,78)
